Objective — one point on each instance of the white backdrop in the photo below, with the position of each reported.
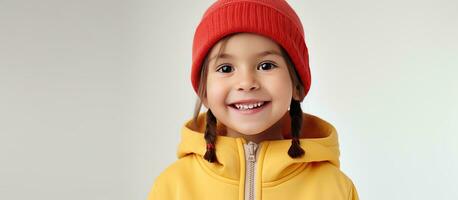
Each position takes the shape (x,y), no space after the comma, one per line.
(93,94)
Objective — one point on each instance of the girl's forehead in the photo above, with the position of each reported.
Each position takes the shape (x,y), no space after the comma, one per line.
(245,44)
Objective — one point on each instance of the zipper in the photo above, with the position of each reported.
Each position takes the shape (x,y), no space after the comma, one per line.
(250,169)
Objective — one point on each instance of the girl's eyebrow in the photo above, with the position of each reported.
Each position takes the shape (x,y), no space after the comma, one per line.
(261,54)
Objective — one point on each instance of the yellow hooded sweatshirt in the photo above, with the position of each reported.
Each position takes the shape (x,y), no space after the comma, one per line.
(249,171)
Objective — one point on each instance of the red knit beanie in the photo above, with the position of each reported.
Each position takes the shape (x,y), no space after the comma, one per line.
(271,18)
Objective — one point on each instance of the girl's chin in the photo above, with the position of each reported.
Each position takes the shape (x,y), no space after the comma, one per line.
(248,127)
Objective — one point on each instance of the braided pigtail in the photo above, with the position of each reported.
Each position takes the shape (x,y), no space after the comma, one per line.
(210,137)
(295,111)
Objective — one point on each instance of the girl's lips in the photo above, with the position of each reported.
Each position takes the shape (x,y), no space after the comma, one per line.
(250,111)
(248,101)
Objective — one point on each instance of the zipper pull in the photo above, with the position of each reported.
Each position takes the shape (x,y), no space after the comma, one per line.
(252,147)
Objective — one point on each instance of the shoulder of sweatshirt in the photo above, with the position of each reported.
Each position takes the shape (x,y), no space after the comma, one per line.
(164,184)
(176,170)
(328,172)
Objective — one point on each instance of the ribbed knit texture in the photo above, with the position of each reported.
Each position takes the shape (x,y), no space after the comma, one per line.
(271,18)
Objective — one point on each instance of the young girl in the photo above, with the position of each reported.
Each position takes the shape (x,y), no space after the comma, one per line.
(250,69)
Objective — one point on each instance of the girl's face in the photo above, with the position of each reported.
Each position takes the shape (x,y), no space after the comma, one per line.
(250,70)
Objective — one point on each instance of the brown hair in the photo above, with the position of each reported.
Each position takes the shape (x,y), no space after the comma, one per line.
(295,110)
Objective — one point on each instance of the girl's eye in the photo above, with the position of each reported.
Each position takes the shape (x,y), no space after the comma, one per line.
(225,69)
(267,66)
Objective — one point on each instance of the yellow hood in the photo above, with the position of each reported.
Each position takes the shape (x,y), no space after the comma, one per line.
(272,175)
(318,139)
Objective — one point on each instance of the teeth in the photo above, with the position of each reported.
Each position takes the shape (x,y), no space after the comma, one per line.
(248,106)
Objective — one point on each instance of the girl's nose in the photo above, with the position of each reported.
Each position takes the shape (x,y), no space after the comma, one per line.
(247,82)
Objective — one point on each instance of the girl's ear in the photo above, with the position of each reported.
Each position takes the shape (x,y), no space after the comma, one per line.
(298,95)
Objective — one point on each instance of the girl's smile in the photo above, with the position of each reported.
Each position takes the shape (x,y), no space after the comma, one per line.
(249,107)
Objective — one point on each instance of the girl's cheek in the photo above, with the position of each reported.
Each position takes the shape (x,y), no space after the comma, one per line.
(281,85)
(216,94)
